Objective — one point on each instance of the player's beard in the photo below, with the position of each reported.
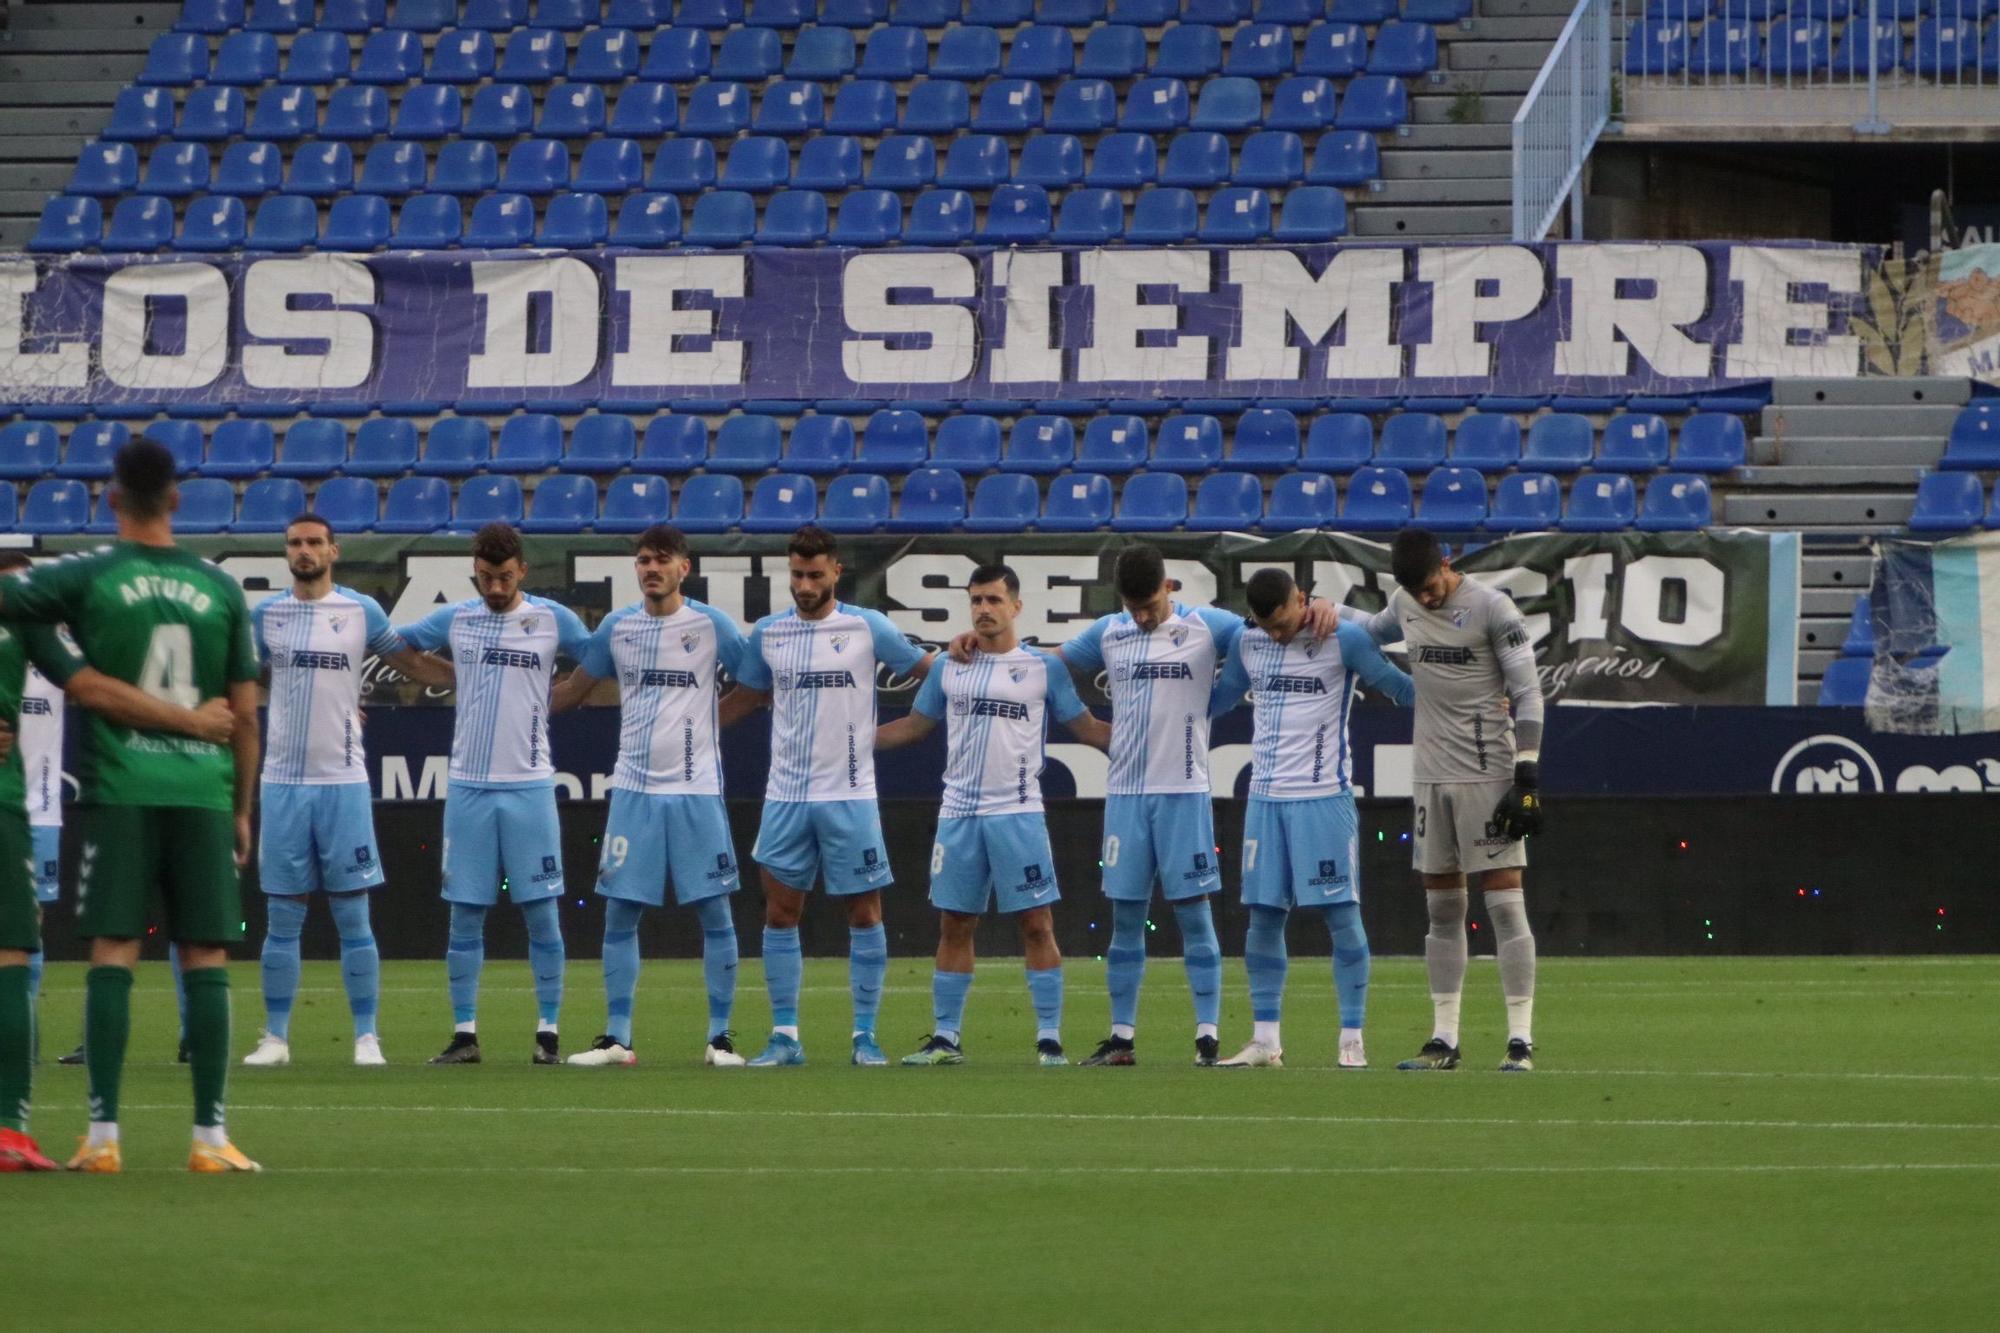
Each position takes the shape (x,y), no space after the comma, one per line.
(810,604)
(498,605)
(305,571)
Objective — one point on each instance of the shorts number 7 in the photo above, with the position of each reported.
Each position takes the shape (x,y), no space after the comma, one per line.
(1249,854)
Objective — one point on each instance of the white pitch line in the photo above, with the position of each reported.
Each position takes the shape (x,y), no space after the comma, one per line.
(1043,1171)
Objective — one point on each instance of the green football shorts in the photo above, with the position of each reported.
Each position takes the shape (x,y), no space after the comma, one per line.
(20,917)
(183,855)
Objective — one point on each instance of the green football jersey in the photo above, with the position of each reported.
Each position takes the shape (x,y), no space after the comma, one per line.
(163,620)
(21,645)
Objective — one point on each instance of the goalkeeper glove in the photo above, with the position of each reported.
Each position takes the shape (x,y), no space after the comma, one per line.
(1519,814)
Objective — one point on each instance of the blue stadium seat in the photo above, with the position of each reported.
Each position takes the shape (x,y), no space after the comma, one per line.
(270,505)
(1215,11)
(644,111)
(462,55)
(677,55)
(821,52)
(1197,159)
(933,500)
(529,443)
(1041,51)
(791,108)
(536,166)
(565,15)
(141,115)
(605,55)
(936,106)
(1797,47)
(561,504)
(1731,48)
(1188,51)
(683,166)
(213,17)
(432,111)
(1113,444)
(1191,443)
(532,56)
(1077,13)
(1088,217)
(1083,106)
(648,220)
(1267,440)
(284,113)
(1600,502)
(1121,161)
(895,54)
(356,113)
(1710,442)
(176,170)
(1154,105)
(1272,157)
(175,61)
(868,217)
(717,110)
(1634,442)
(454,447)
(940,217)
(895,440)
(820,446)
(390,57)
(966,52)
(496,15)
(486,499)
(757,164)
(1362,11)
(745,444)
(1845,684)
(1302,102)
(1312,214)
(1374,102)
(1053,161)
(862,106)
(1413,441)
(349,504)
(501,222)
(1408,49)
(181,438)
(315,448)
(1009,106)
(1260,51)
(780,13)
(639,15)
(69,222)
(781,502)
(721,218)
(970,444)
(29,449)
(1017,215)
(280,15)
(320,58)
(854,13)
(1437,11)
(1559,442)
(1948,502)
(673,444)
(1378,500)
(1454,500)
(1116,51)
(975,162)
(828,162)
(749,55)
(92,445)
(427,222)
(207,505)
(1079,502)
(320,170)
(104,169)
(1229,105)
(1225,502)
(1675,502)
(1851,56)
(1974,442)
(140,224)
(856,503)
(383,447)
(571,111)
(634,503)
(1334,50)
(1039,445)
(1149,502)
(1163,216)
(1656,46)
(574,221)
(1860,640)
(350,15)
(1236,215)
(466,166)
(1487,441)
(710,13)
(600,443)
(240,448)
(1944,47)
(54,508)
(610,166)
(245,59)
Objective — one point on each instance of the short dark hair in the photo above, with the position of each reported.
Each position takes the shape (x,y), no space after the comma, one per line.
(496,544)
(812,541)
(662,539)
(1267,590)
(143,472)
(12,558)
(1139,572)
(996,573)
(309,517)
(1414,557)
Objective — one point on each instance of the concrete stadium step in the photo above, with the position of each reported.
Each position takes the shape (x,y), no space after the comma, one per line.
(1498,55)
(23,203)
(53,69)
(1441,223)
(1822,632)
(1490,84)
(1423,138)
(1447,190)
(1493,110)
(41,177)
(62,41)
(1847,450)
(1849,571)
(1816,420)
(1453,164)
(74,121)
(58,148)
(15,232)
(35,16)
(1877,511)
(1827,602)
(1811,477)
(95,93)
(1543,28)
(1873,391)
(1526,8)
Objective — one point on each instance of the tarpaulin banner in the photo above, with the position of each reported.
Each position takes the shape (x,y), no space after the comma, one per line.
(1936,610)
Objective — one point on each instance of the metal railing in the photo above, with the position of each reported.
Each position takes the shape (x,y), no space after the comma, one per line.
(1565,110)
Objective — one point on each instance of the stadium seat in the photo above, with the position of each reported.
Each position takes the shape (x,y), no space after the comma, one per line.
(1948,502)
(1077,13)
(1041,51)
(565,15)
(213,17)
(677,55)
(636,502)
(1083,106)
(648,220)
(971,443)
(862,106)
(1259,51)
(54,508)
(571,111)
(975,162)
(1378,500)
(1845,684)
(722,218)
(283,114)
(1800,46)
(456,447)
(561,504)
(486,499)
(757,165)
(782,502)
(966,52)
(68,223)
(183,439)
(1728,47)
(1053,161)
(532,56)
(1675,502)
(1373,102)
(208,505)
(790,108)
(1040,445)
(175,171)
(1196,159)
(1600,502)
(1334,50)
(1404,48)
(1017,215)
(316,448)
(1152,105)
(209,115)
(427,222)
(1454,500)
(1215,11)
(1860,640)
(355,112)
(141,115)
(1190,443)
(270,505)
(1113,444)
(466,166)
(140,224)
(1945,46)
(856,503)
(1559,442)
(868,217)
(501,222)
(605,55)
(383,447)
(902,162)
(1080,502)
(821,52)
(683,166)
(936,106)
(644,111)
(1974,442)
(940,218)
(529,443)
(1188,51)
(1226,502)
(245,60)
(240,448)
(280,15)
(746,444)
(1339,442)
(1148,502)
(830,163)
(1228,105)
(1237,215)
(749,55)
(1302,102)
(1121,161)
(820,446)
(1272,157)
(536,167)
(1413,441)
(1634,442)
(574,221)
(609,166)
(1008,106)
(462,55)
(894,440)
(29,450)
(317,58)
(1437,11)
(600,443)
(320,170)
(717,109)
(495,15)
(1163,215)
(933,500)
(350,504)
(1266,440)
(1008,502)
(1312,214)
(390,56)
(104,169)
(895,54)
(1710,442)
(434,111)
(673,444)
(88,454)
(1301,501)
(710,13)
(639,15)
(1114,51)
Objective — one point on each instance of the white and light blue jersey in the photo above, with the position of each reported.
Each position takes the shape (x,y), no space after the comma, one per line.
(1159,685)
(665,667)
(316,650)
(821,678)
(41,742)
(1300,693)
(995,709)
(505,661)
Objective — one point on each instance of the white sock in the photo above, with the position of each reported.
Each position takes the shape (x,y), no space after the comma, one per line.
(947,1034)
(1521,1018)
(1265,1034)
(1349,1034)
(1049,1034)
(102,1132)
(543,1025)
(1444,1024)
(211,1135)
(791,1031)
(1204,1030)
(1124,1031)
(468,1028)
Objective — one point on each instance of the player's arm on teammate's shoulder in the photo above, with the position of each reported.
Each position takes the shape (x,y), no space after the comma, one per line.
(42,595)
(738,704)
(1324,617)
(423,668)
(571,690)
(1232,683)
(593,663)
(753,681)
(1358,651)
(895,650)
(1069,708)
(925,710)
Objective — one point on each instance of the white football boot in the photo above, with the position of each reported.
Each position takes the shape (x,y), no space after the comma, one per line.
(1255,1056)
(270,1051)
(368,1050)
(1352,1054)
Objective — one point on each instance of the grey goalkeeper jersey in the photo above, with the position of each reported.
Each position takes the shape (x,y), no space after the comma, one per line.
(1469,659)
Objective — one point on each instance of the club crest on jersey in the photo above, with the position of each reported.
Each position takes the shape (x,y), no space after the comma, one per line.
(336,623)
(839,642)
(528,624)
(630,675)
(1178,634)
(1017,674)
(689,640)
(1312,647)
(784,680)
(961,705)
(1458,619)
(1121,672)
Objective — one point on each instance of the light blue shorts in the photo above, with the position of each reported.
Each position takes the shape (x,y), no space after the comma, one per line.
(317,837)
(839,842)
(1301,853)
(981,859)
(648,837)
(46,840)
(496,832)
(1166,838)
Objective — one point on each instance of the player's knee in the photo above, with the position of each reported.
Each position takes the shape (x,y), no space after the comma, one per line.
(1495,881)
(957,927)
(1038,928)
(864,910)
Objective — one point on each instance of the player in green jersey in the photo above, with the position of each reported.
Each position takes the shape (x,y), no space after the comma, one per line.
(161,813)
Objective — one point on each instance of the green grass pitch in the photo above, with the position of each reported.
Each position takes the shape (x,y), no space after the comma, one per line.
(1715,1143)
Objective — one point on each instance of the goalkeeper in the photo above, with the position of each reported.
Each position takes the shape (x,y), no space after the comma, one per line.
(1474,779)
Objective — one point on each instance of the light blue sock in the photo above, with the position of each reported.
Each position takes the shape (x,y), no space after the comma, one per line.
(719,954)
(1045,989)
(545,956)
(1202,954)
(35,975)
(360,960)
(867,962)
(464,959)
(621,966)
(285,918)
(782,966)
(1264,958)
(1350,962)
(948,992)
(1125,961)
(180,989)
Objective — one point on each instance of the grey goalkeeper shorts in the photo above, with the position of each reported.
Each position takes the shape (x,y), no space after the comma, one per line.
(1454,830)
